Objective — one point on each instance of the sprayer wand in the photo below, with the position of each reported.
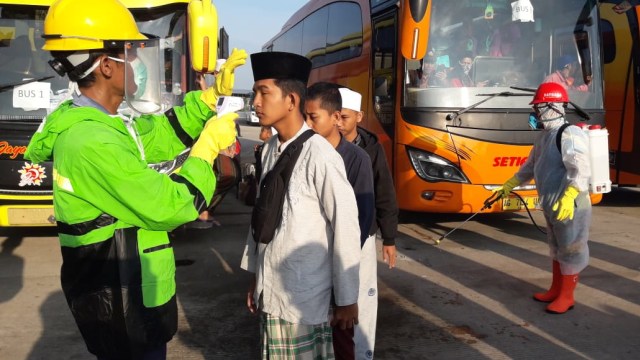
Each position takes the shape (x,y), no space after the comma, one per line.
(487,204)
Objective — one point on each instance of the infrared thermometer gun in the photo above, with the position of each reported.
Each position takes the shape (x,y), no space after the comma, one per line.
(227,104)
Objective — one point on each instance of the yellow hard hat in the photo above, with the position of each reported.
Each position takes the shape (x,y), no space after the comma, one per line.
(73,25)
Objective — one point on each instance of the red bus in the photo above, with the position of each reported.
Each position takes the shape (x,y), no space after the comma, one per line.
(448,146)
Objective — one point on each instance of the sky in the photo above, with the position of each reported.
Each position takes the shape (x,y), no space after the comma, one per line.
(251,23)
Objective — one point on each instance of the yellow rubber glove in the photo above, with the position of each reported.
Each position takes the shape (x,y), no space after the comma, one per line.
(224,79)
(218,134)
(566,205)
(506,188)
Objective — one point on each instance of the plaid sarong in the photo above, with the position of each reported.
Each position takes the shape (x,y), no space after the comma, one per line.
(283,340)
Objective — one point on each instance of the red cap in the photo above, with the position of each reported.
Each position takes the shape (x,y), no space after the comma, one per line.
(582,125)
(595,127)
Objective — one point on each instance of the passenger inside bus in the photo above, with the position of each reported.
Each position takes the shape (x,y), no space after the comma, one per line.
(484,47)
(427,75)
(461,74)
(566,67)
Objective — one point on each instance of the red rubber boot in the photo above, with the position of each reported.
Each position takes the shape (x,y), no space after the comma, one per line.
(554,291)
(564,302)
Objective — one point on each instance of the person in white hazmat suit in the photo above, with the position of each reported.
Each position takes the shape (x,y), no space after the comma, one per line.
(562,180)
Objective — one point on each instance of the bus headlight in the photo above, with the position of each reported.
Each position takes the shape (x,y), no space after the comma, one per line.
(434,168)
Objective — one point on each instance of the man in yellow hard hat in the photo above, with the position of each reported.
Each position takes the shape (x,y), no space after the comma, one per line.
(113,211)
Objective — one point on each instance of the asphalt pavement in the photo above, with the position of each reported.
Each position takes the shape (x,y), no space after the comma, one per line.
(467,298)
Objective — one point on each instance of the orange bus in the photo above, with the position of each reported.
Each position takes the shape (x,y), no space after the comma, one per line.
(30,89)
(449,145)
(621,56)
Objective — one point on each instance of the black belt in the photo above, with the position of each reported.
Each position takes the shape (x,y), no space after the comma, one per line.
(87,226)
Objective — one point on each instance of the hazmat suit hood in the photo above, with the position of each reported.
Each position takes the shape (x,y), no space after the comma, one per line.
(40,147)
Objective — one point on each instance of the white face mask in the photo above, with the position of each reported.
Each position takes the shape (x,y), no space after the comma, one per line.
(466,68)
(143,57)
(139,76)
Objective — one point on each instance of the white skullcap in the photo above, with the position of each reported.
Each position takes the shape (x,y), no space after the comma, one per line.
(219,63)
(350,99)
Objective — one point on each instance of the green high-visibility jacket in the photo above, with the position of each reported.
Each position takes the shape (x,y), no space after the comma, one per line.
(113,214)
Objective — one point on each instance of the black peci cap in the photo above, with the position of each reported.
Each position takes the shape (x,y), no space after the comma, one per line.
(280,65)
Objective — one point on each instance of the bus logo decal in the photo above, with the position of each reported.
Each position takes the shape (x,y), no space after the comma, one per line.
(31,174)
(12,151)
(503,161)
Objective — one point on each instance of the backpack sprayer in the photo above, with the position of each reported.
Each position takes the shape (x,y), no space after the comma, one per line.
(599,182)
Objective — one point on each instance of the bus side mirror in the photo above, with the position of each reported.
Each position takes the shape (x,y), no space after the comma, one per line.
(203,35)
(414,34)
(584,51)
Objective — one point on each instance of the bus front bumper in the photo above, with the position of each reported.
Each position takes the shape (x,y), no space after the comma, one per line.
(418,195)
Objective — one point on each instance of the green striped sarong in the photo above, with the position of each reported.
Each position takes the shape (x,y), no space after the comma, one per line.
(282,340)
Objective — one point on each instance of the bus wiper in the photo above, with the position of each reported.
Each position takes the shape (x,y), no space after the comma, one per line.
(454,115)
(12,85)
(580,111)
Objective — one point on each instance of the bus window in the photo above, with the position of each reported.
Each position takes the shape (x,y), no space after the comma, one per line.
(344,37)
(314,36)
(291,41)
(473,51)
(22,59)
(329,35)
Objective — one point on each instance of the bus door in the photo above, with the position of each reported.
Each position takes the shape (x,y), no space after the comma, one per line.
(384,45)
(620,36)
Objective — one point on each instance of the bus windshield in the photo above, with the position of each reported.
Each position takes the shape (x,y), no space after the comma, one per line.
(30,88)
(477,47)
(21,60)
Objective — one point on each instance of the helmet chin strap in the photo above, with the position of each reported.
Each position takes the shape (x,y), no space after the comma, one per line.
(90,70)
